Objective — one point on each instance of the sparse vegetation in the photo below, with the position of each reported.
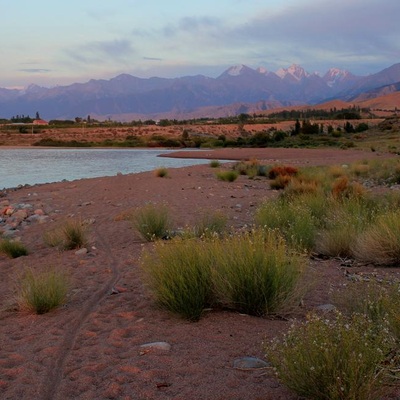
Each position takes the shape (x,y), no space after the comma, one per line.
(215,163)
(179,275)
(13,248)
(152,222)
(41,291)
(335,358)
(161,172)
(258,275)
(227,176)
(72,234)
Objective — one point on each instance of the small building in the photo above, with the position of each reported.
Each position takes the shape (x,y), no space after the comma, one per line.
(39,122)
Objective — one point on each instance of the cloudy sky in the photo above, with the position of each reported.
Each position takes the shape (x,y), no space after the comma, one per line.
(49,42)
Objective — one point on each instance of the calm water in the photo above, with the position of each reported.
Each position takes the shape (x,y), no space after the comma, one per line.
(31,166)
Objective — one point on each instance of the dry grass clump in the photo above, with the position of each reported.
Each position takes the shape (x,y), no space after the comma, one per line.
(13,248)
(342,187)
(380,243)
(258,275)
(253,273)
(41,291)
(335,358)
(297,218)
(72,234)
(210,223)
(215,164)
(285,170)
(152,221)
(179,275)
(227,176)
(345,220)
(161,172)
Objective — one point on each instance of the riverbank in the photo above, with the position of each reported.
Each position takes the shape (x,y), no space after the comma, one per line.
(90,348)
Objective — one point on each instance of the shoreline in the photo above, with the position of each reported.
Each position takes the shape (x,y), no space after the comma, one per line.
(298,157)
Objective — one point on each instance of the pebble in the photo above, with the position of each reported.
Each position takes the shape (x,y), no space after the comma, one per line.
(157,346)
(81,252)
(250,363)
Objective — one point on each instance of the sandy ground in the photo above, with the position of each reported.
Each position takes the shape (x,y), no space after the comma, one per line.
(90,348)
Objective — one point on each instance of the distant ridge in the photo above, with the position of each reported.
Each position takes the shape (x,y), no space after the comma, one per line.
(239,89)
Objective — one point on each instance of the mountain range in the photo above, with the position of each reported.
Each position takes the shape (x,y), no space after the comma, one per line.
(127,97)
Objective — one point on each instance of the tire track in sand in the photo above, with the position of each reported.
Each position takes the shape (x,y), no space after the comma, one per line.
(55,373)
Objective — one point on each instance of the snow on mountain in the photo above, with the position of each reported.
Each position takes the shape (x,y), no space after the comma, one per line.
(336,75)
(236,70)
(295,71)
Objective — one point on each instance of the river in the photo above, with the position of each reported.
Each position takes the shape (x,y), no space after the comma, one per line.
(20,166)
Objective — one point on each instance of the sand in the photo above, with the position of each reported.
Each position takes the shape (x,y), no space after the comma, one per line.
(90,347)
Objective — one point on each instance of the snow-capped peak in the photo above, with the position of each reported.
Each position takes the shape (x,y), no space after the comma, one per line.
(236,70)
(294,70)
(262,70)
(335,75)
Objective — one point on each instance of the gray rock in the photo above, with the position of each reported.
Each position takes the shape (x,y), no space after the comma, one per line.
(157,346)
(81,252)
(326,307)
(250,363)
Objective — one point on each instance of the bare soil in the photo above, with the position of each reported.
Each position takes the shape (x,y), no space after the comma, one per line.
(90,347)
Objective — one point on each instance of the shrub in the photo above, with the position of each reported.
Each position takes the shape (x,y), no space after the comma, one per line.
(342,187)
(379,301)
(339,358)
(282,170)
(380,242)
(161,172)
(258,275)
(280,182)
(214,163)
(152,221)
(41,291)
(179,275)
(228,176)
(12,248)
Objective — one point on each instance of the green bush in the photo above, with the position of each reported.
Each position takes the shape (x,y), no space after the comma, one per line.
(13,248)
(255,273)
(179,275)
(41,291)
(337,359)
(152,222)
(228,176)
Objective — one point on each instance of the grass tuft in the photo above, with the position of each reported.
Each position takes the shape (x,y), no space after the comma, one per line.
(380,243)
(227,176)
(152,222)
(179,275)
(215,164)
(13,248)
(42,291)
(161,172)
(71,235)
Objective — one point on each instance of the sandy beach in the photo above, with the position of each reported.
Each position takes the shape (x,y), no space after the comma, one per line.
(90,347)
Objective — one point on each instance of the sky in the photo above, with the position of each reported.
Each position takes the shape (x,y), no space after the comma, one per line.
(49,43)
